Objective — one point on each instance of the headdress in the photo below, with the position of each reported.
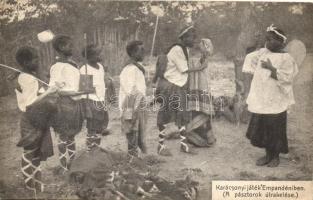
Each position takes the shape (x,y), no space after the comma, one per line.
(273,29)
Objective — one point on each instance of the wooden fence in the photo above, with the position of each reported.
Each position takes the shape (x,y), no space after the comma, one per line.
(113,37)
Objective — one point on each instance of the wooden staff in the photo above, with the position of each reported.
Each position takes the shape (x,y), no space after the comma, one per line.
(14,69)
(154,35)
(153,43)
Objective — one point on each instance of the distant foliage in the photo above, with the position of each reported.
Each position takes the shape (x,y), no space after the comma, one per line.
(232,26)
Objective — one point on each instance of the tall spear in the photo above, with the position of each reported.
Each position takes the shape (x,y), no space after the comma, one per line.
(154,35)
(158,11)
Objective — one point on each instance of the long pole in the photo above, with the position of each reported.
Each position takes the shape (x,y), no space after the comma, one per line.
(85,52)
(153,40)
(86,60)
(12,68)
(154,35)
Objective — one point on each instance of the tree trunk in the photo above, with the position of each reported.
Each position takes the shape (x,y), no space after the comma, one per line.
(247,41)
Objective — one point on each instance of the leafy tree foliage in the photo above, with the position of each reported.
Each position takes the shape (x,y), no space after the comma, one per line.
(232,26)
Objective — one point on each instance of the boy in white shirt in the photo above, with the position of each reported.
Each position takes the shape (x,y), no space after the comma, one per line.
(132,97)
(68,120)
(270,96)
(35,136)
(95,110)
(172,89)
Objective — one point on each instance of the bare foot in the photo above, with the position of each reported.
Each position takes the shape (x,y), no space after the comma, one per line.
(274,162)
(263,161)
(187,149)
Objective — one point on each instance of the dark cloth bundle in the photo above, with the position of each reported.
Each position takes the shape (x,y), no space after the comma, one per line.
(68,119)
(40,113)
(35,138)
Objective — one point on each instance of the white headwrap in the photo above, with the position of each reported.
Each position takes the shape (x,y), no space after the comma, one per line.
(185,30)
(272,28)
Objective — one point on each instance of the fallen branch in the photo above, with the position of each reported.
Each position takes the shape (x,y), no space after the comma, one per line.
(119,194)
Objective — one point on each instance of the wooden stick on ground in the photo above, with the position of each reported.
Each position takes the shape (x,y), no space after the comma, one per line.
(119,194)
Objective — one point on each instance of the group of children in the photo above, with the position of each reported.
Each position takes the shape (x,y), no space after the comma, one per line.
(270,96)
(63,106)
(178,81)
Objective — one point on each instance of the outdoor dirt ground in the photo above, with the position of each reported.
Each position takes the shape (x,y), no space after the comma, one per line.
(231,158)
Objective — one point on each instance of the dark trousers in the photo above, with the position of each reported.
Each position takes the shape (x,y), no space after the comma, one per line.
(173,104)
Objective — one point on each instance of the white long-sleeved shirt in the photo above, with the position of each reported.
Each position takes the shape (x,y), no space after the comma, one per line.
(67,74)
(267,95)
(98,81)
(29,94)
(177,66)
(132,81)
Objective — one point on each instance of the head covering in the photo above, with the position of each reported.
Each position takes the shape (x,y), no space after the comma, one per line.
(274,29)
(185,30)
(207,43)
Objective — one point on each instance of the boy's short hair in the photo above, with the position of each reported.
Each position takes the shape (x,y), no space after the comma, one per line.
(25,54)
(133,46)
(60,40)
(90,50)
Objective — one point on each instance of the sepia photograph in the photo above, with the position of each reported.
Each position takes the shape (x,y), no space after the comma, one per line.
(156,100)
